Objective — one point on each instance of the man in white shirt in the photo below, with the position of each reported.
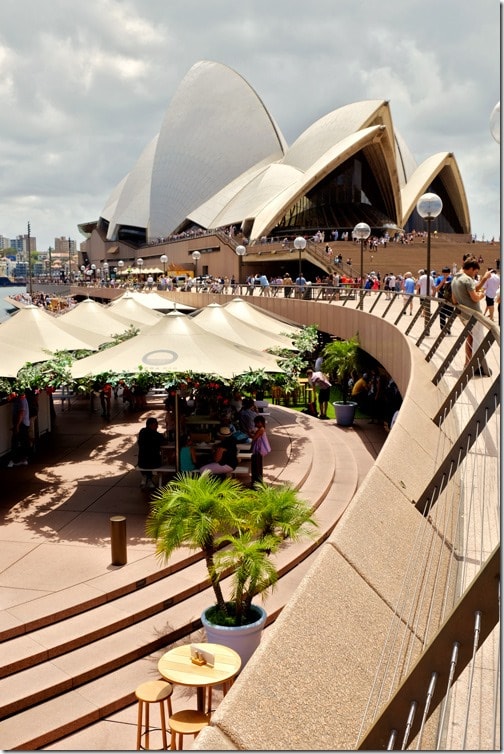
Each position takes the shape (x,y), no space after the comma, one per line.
(425,287)
(491,287)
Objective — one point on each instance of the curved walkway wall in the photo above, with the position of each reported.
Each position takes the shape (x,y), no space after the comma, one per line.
(308,686)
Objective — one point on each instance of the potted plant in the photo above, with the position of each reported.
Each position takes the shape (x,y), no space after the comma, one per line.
(341,360)
(238,531)
(253,382)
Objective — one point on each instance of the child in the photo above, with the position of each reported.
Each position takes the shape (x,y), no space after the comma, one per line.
(260,448)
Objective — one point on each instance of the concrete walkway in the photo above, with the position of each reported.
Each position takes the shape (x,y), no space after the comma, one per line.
(55,544)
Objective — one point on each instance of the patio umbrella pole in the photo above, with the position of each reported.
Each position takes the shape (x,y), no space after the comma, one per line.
(177,429)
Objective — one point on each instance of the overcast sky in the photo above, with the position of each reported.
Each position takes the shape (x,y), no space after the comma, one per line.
(84,86)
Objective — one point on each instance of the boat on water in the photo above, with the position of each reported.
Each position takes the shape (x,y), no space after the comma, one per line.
(7,282)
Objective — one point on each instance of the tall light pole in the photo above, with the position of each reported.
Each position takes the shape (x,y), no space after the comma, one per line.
(300,245)
(196,256)
(69,260)
(240,252)
(50,264)
(163,259)
(106,271)
(362,231)
(140,262)
(29,263)
(120,265)
(429,207)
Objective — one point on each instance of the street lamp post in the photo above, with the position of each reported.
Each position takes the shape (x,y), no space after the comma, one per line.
(429,207)
(362,231)
(106,271)
(300,245)
(93,270)
(196,256)
(140,262)
(120,265)
(240,252)
(163,259)
(29,263)
(69,259)
(50,264)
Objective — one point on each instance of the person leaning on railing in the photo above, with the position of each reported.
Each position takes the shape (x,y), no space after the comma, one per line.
(468,292)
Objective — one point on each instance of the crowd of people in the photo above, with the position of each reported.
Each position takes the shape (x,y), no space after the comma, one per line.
(241,422)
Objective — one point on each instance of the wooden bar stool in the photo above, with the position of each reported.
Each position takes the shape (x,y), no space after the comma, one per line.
(186,722)
(152,692)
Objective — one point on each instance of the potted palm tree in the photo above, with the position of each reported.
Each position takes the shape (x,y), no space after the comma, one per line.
(341,361)
(238,531)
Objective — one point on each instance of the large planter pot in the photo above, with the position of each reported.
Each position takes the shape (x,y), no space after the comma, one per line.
(345,413)
(243,639)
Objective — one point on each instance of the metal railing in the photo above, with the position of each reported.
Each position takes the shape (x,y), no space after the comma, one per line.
(461,501)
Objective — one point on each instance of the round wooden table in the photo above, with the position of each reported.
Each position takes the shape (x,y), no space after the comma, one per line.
(176,666)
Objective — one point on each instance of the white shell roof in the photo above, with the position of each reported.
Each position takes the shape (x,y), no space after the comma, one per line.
(133,204)
(214,129)
(220,159)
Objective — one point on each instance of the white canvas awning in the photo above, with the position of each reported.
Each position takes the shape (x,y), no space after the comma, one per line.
(136,313)
(16,356)
(177,344)
(153,300)
(258,318)
(219,320)
(97,318)
(33,327)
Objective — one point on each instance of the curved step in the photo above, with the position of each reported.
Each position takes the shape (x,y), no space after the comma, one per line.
(118,581)
(116,613)
(121,635)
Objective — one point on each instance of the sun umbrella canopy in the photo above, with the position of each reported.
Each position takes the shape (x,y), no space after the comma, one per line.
(219,320)
(95,317)
(16,356)
(34,327)
(258,318)
(177,344)
(153,300)
(134,312)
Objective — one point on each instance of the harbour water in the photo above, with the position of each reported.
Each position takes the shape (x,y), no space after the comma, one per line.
(5,307)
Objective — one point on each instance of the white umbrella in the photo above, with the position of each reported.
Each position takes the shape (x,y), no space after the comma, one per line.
(219,320)
(258,318)
(134,312)
(33,327)
(153,300)
(16,356)
(177,344)
(97,318)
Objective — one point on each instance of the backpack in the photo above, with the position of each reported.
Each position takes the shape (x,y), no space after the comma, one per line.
(447,292)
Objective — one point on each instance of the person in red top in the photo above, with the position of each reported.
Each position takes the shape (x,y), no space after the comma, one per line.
(105,396)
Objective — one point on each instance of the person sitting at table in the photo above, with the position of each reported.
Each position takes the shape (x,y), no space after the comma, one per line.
(149,451)
(188,461)
(225,458)
(226,420)
(246,417)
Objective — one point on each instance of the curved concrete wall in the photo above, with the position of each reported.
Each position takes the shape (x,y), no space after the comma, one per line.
(309,683)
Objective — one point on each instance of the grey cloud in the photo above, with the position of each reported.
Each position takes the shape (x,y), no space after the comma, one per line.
(84,85)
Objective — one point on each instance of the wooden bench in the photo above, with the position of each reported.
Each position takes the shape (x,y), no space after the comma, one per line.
(244,455)
(159,470)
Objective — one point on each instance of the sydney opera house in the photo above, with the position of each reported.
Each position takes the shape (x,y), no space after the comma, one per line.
(220,160)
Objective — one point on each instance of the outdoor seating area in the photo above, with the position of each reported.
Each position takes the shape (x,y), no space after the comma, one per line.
(77,616)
